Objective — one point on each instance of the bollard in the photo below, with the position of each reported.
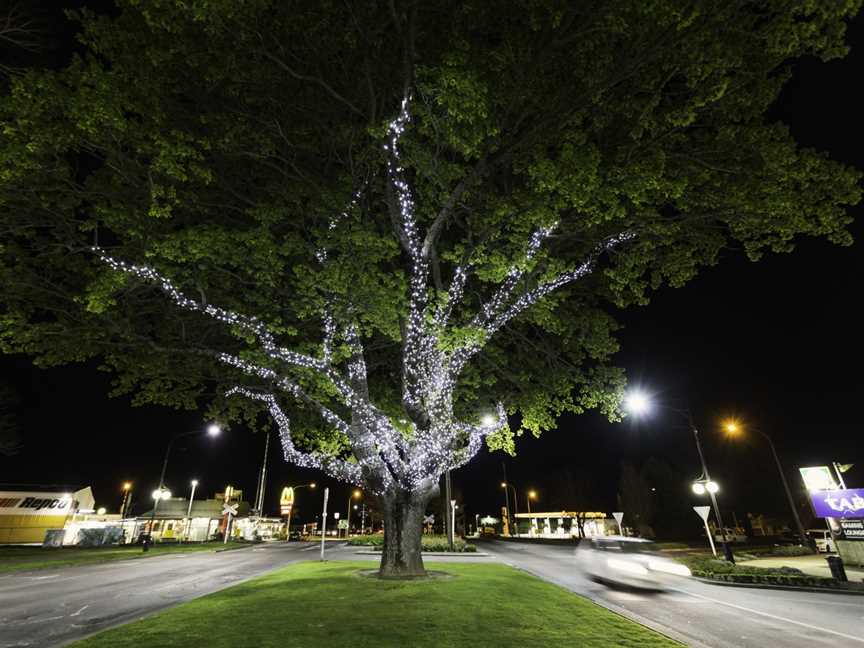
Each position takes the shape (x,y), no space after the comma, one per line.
(835,564)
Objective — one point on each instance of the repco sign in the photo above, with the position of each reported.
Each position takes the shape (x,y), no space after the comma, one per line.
(36,503)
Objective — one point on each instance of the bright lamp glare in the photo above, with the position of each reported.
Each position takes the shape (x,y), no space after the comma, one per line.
(194,482)
(488,420)
(637,403)
(698,488)
(214,430)
(162,494)
(712,487)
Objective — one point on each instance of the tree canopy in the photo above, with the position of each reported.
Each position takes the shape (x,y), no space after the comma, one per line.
(230,144)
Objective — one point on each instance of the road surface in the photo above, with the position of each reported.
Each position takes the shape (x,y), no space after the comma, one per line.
(701,614)
(53,607)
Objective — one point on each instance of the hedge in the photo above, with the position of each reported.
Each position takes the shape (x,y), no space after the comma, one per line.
(429,543)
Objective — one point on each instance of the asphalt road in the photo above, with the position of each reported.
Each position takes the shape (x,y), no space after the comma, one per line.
(53,607)
(56,607)
(701,614)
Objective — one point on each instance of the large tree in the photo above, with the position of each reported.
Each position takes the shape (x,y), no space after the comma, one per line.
(397,222)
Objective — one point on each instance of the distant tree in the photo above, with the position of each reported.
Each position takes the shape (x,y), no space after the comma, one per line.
(674,518)
(636,500)
(575,492)
(396,221)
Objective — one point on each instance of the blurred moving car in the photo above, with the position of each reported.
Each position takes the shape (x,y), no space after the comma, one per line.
(823,539)
(634,562)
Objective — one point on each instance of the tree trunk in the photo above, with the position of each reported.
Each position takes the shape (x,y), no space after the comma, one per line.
(403,528)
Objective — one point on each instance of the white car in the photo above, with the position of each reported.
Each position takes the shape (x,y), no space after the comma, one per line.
(823,539)
(634,562)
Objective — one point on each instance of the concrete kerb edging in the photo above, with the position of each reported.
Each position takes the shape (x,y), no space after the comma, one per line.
(667,632)
(788,588)
(448,554)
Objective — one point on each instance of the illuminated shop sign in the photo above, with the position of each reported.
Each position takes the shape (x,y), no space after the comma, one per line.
(12,503)
(847,503)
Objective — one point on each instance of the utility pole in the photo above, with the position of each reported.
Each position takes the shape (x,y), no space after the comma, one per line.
(259,495)
(324,522)
(507,499)
(448,525)
(727,548)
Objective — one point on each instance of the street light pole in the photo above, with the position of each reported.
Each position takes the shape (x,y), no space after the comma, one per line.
(124,504)
(447,495)
(212,430)
(506,485)
(262,482)
(801,533)
(727,549)
(291,510)
(189,510)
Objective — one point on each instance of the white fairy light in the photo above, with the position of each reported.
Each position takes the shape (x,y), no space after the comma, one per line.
(429,441)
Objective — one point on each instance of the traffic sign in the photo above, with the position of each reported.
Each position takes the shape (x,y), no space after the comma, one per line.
(702,512)
(229,509)
(619,515)
(429,519)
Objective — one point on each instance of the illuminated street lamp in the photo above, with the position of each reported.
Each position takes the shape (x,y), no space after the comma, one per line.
(213,430)
(505,486)
(734,429)
(356,494)
(638,403)
(532,495)
(701,487)
(124,503)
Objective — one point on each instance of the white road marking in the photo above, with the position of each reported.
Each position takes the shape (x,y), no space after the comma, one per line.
(778,618)
(79,611)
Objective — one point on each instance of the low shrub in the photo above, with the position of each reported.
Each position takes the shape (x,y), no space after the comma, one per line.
(429,542)
(790,550)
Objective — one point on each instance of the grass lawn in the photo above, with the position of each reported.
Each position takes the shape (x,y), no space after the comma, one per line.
(330,604)
(21,558)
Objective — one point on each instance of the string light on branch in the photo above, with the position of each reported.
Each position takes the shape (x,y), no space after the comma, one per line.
(386,456)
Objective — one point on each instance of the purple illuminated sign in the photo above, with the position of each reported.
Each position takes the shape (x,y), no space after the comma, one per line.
(847,503)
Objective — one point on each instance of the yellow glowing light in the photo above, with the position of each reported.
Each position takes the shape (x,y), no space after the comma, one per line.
(127,486)
(503,484)
(731,426)
(357,494)
(532,494)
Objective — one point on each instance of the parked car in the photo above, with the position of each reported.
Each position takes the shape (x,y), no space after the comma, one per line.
(634,562)
(823,539)
(732,535)
(295,535)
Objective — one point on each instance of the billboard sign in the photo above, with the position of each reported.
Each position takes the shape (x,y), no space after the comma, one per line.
(847,503)
(818,478)
(852,529)
(44,503)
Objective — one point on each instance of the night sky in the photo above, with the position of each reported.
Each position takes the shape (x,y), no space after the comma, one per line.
(775,343)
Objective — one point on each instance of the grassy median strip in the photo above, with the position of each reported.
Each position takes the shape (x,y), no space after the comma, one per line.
(331,604)
(24,558)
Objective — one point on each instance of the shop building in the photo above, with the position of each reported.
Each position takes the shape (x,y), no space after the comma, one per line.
(28,512)
(174,521)
(565,524)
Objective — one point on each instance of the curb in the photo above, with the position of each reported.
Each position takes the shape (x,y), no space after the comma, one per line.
(448,554)
(787,588)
